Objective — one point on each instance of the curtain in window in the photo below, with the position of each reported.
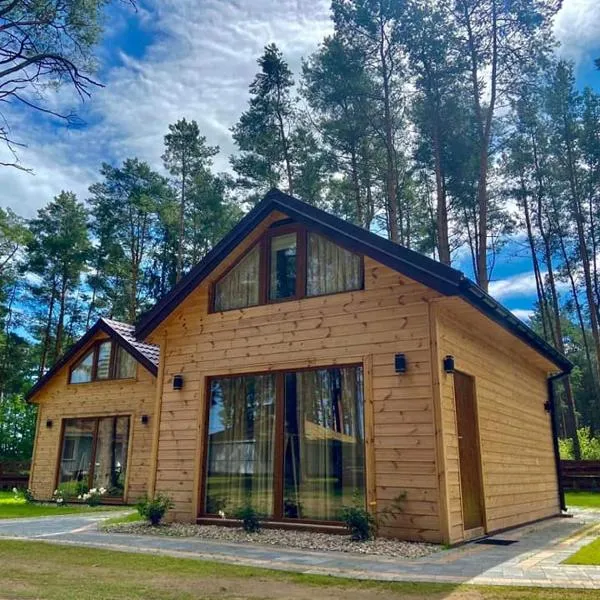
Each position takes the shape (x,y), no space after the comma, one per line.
(111,455)
(78,444)
(125,364)
(324,442)
(239,288)
(330,268)
(241,444)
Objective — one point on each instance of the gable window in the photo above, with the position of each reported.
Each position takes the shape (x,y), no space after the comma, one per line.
(105,360)
(288,263)
(239,287)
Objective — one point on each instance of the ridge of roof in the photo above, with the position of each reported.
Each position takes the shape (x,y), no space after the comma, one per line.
(123,333)
(431,273)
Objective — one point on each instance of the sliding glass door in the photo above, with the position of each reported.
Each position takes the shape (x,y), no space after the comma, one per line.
(94,455)
(291,444)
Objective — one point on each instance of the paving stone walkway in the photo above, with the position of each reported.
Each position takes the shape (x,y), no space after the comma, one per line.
(534,560)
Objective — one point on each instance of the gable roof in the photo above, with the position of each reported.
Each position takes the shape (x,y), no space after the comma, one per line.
(433,274)
(122,333)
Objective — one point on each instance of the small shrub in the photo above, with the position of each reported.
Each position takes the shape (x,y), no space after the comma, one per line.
(28,495)
(71,489)
(58,497)
(93,497)
(359,522)
(292,509)
(215,505)
(249,517)
(153,510)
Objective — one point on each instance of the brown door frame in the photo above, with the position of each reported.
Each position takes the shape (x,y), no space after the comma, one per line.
(482,506)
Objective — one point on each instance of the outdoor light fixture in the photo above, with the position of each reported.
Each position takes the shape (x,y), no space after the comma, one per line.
(177,382)
(548,406)
(49,423)
(449,364)
(400,363)
(145,419)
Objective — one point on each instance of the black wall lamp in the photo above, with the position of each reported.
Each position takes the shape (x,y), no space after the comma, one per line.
(400,363)
(177,382)
(49,423)
(449,364)
(145,419)
(548,406)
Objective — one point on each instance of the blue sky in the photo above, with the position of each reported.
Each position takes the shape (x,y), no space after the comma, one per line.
(195,58)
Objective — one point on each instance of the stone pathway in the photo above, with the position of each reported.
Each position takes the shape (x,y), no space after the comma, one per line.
(535,560)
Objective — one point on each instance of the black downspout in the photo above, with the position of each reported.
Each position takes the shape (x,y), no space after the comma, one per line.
(552,409)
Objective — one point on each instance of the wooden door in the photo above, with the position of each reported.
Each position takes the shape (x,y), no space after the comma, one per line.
(469,452)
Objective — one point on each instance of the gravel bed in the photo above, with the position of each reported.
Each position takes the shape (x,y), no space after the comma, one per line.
(306,540)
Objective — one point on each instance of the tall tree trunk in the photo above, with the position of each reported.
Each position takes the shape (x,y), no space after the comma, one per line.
(441,205)
(47,329)
(60,324)
(391,172)
(179,267)
(356,187)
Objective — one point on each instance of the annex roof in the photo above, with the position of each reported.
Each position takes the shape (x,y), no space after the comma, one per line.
(123,333)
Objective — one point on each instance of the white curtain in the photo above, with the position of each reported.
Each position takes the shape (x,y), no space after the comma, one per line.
(239,288)
(330,268)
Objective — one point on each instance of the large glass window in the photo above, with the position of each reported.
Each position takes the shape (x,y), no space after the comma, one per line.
(94,455)
(288,263)
(240,286)
(290,444)
(283,266)
(324,442)
(330,268)
(99,364)
(241,432)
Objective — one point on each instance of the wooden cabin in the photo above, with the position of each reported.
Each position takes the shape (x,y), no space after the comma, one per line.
(95,412)
(307,364)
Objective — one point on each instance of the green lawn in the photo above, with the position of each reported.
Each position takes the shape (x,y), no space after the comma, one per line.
(588,555)
(583,499)
(15,508)
(54,572)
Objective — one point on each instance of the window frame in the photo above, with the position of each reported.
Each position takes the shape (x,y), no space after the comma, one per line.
(94,349)
(96,419)
(278,460)
(277,229)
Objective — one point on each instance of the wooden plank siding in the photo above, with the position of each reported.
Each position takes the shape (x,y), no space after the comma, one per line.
(519,473)
(60,400)
(368,326)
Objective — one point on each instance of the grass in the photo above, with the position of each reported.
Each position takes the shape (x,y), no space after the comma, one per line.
(588,555)
(130,518)
(17,508)
(583,499)
(55,572)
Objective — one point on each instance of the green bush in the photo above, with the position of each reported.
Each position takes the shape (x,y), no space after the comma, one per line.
(71,489)
(249,517)
(359,522)
(590,446)
(153,510)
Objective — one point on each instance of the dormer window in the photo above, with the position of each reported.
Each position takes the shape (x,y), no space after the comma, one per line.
(288,263)
(105,360)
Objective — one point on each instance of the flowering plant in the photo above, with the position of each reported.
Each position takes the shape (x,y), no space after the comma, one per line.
(92,497)
(58,497)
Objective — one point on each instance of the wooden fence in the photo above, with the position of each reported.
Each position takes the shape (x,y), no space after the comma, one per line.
(580,474)
(14,474)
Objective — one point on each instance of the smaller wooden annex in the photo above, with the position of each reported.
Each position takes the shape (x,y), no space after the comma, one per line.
(306,364)
(95,407)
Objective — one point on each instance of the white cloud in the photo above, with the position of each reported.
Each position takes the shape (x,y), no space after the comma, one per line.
(577,28)
(519,285)
(198,65)
(524,314)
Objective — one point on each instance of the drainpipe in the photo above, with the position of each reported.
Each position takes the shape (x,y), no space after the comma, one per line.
(552,409)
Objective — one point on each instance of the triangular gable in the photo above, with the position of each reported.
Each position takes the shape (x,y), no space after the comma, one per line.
(145,354)
(420,268)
